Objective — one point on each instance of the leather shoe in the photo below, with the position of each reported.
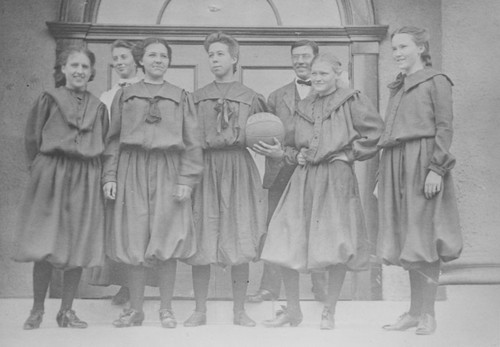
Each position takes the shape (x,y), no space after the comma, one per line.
(283,317)
(327,320)
(405,321)
(167,318)
(69,319)
(129,317)
(426,325)
(34,320)
(261,295)
(241,318)
(196,319)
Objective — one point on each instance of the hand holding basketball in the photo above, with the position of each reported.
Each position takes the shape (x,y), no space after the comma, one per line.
(264,127)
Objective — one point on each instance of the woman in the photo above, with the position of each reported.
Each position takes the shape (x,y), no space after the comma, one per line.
(418,215)
(62,217)
(152,161)
(319,221)
(229,203)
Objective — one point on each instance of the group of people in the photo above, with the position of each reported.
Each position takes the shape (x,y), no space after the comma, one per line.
(154,174)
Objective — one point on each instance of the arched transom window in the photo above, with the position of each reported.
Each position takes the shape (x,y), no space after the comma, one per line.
(235,13)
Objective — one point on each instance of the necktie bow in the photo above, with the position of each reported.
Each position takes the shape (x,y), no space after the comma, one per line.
(123,84)
(399,82)
(306,83)
(153,114)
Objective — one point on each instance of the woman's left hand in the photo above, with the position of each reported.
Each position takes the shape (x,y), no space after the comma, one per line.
(182,193)
(272,151)
(433,185)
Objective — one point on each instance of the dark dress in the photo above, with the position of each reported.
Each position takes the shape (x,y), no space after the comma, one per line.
(417,139)
(319,220)
(62,214)
(152,147)
(229,203)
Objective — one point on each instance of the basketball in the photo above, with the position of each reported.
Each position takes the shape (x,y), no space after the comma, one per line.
(264,127)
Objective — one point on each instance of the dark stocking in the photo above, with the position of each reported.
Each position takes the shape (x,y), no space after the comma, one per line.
(239,276)
(416,288)
(430,273)
(201,279)
(336,277)
(292,291)
(136,287)
(42,273)
(71,280)
(167,273)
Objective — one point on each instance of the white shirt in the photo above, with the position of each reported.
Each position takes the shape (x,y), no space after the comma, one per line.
(108,96)
(303,89)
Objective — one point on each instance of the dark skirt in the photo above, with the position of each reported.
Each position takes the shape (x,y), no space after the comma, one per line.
(146,224)
(319,221)
(62,216)
(229,209)
(412,229)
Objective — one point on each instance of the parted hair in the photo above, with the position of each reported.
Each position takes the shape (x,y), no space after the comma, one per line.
(232,45)
(335,63)
(123,44)
(421,37)
(62,59)
(140,48)
(300,43)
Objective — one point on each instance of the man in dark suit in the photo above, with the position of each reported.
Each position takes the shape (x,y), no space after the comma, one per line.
(280,160)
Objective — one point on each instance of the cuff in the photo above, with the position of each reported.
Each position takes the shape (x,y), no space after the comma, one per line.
(440,171)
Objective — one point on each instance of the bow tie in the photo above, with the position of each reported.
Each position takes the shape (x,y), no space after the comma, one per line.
(306,83)
(398,83)
(124,84)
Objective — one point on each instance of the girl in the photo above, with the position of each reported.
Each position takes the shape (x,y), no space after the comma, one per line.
(124,66)
(319,221)
(152,161)
(112,272)
(62,224)
(229,203)
(418,215)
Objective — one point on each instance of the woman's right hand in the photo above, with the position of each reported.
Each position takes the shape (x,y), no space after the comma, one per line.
(301,159)
(110,190)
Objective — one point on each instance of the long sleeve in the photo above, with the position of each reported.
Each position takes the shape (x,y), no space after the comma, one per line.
(192,156)
(37,117)
(368,123)
(110,156)
(442,161)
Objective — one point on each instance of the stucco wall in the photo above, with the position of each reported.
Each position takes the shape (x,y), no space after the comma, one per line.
(26,62)
(471,37)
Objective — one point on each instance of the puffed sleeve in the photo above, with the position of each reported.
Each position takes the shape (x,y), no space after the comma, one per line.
(369,125)
(442,160)
(111,152)
(37,118)
(192,156)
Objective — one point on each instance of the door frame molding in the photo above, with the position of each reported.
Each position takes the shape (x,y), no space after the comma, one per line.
(91,32)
